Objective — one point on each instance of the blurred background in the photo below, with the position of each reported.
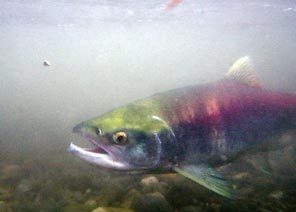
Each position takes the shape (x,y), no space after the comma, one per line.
(103,54)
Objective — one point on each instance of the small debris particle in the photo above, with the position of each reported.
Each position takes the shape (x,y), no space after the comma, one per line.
(46,63)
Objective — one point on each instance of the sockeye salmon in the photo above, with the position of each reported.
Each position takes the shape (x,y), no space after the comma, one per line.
(192,130)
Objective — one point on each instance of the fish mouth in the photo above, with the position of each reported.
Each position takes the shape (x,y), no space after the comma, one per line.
(99,155)
(97,148)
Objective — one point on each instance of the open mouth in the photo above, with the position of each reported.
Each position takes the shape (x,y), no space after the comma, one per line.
(96,148)
(98,155)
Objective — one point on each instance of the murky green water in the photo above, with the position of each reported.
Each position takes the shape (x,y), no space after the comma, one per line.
(104,54)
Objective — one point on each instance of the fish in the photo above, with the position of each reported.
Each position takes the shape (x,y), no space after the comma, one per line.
(193,130)
(172,4)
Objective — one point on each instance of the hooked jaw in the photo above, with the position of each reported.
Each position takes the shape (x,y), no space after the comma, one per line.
(96,158)
(77,128)
(98,154)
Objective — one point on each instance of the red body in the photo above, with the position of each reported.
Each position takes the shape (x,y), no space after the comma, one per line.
(226,117)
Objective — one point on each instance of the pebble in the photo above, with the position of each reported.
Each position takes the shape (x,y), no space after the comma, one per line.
(110,209)
(151,184)
(240,176)
(131,195)
(23,187)
(88,191)
(4,194)
(191,208)
(151,202)
(277,195)
(4,207)
(91,203)
(11,172)
(215,207)
(147,181)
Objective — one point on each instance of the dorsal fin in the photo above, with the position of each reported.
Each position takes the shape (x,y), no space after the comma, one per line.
(241,71)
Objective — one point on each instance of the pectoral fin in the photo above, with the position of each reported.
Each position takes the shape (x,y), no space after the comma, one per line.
(208,178)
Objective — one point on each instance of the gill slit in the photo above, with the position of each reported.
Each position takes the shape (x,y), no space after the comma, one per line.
(158,149)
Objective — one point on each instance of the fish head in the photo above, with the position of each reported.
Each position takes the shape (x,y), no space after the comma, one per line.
(123,139)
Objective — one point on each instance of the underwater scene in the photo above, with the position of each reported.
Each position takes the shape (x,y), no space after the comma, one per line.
(159,105)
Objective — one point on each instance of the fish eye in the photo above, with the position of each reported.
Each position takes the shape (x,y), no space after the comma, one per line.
(120,138)
(98,131)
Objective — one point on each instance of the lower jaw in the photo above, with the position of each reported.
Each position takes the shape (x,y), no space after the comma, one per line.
(99,159)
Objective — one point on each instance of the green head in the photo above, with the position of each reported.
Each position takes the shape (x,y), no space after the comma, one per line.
(126,138)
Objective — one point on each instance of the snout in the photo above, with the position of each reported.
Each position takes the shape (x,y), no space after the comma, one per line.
(78,128)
